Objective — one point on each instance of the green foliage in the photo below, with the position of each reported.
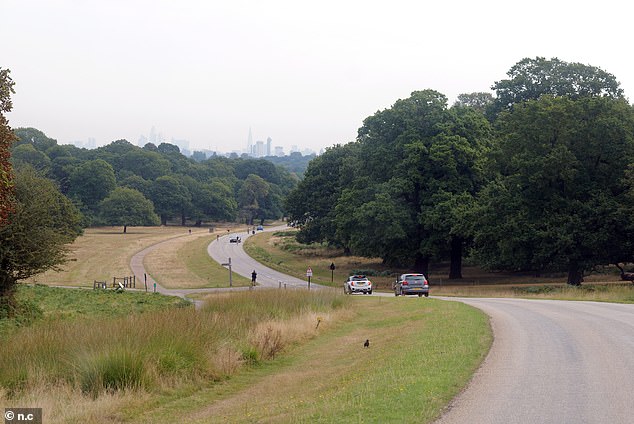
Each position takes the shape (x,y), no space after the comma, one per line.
(26,154)
(170,197)
(127,206)
(91,182)
(400,192)
(35,239)
(198,191)
(533,78)
(18,313)
(6,140)
(311,204)
(558,201)
(36,138)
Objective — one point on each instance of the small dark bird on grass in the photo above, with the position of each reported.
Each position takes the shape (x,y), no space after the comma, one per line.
(367,343)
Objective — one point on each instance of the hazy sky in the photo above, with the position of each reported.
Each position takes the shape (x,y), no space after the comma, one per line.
(303,73)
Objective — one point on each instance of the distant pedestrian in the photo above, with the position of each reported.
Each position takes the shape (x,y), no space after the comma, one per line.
(367,343)
(190,231)
(254,275)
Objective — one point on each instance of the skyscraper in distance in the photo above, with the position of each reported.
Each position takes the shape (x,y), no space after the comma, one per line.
(250,143)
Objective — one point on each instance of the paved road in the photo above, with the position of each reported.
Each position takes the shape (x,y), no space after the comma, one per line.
(552,362)
(221,250)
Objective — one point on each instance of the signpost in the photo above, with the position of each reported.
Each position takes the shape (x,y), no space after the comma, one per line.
(332,272)
(309,273)
(228,264)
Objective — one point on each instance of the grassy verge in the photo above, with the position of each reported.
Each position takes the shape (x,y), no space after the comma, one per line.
(43,303)
(607,292)
(412,369)
(261,356)
(173,350)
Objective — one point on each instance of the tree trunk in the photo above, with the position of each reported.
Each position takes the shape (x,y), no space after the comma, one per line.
(575,274)
(125,229)
(183,219)
(164,220)
(455,268)
(421,264)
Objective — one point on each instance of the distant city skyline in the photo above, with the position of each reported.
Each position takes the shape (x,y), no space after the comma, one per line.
(256,149)
(303,75)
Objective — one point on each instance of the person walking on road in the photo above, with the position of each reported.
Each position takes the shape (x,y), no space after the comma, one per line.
(254,275)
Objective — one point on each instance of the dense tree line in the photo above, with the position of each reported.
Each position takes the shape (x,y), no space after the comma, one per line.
(539,177)
(123,184)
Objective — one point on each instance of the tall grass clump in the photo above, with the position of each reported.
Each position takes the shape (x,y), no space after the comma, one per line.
(162,349)
(111,370)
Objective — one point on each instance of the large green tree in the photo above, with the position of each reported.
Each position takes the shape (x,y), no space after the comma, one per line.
(7,138)
(531,78)
(251,197)
(417,171)
(311,205)
(38,231)
(127,206)
(170,197)
(559,201)
(91,182)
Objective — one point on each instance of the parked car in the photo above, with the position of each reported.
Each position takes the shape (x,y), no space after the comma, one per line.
(357,284)
(411,284)
(235,239)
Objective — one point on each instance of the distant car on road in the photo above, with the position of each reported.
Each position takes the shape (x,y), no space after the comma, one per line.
(235,239)
(411,284)
(357,284)
(260,228)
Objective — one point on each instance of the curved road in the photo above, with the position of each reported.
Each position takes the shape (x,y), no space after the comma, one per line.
(221,250)
(552,362)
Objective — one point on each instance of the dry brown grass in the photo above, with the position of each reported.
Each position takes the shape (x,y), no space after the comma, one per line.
(165,263)
(105,252)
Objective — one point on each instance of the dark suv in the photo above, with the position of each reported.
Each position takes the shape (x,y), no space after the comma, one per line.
(411,284)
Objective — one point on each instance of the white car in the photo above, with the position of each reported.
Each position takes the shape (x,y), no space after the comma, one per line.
(357,284)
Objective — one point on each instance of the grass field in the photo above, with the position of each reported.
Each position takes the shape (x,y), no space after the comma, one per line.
(181,261)
(105,252)
(184,263)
